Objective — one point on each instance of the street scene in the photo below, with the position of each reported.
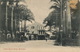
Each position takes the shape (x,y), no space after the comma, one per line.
(39,24)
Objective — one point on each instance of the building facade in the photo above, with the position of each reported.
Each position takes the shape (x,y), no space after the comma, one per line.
(36,31)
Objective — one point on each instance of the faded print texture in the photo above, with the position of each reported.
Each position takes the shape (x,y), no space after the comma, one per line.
(39,25)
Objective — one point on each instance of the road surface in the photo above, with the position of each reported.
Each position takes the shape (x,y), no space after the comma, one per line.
(35,46)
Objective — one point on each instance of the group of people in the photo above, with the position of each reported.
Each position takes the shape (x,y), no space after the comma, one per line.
(19,36)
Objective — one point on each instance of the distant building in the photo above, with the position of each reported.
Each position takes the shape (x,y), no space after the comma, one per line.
(36,31)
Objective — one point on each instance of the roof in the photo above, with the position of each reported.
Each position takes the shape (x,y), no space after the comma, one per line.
(36,24)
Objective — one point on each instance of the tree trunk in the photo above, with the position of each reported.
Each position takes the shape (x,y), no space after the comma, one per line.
(79,25)
(79,36)
(64,21)
(24,25)
(6,23)
(0,21)
(12,33)
(20,26)
(61,24)
(15,26)
(0,16)
(68,14)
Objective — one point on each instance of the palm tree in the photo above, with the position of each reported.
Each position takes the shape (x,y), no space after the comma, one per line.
(52,19)
(4,16)
(6,11)
(23,13)
(77,20)
(59,5)
(13,17)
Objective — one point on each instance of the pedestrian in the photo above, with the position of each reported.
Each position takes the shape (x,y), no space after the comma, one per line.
(22,38)
(8,36)
(17,35)
(46,39)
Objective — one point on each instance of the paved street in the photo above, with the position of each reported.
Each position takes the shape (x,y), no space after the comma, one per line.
(29,44)
(37,45)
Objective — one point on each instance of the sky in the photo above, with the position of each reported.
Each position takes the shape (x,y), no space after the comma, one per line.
(40,9)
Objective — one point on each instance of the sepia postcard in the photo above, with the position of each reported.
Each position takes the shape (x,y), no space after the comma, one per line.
(39,25)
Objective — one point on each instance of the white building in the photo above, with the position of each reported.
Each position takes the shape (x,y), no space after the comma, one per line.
(37,30)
